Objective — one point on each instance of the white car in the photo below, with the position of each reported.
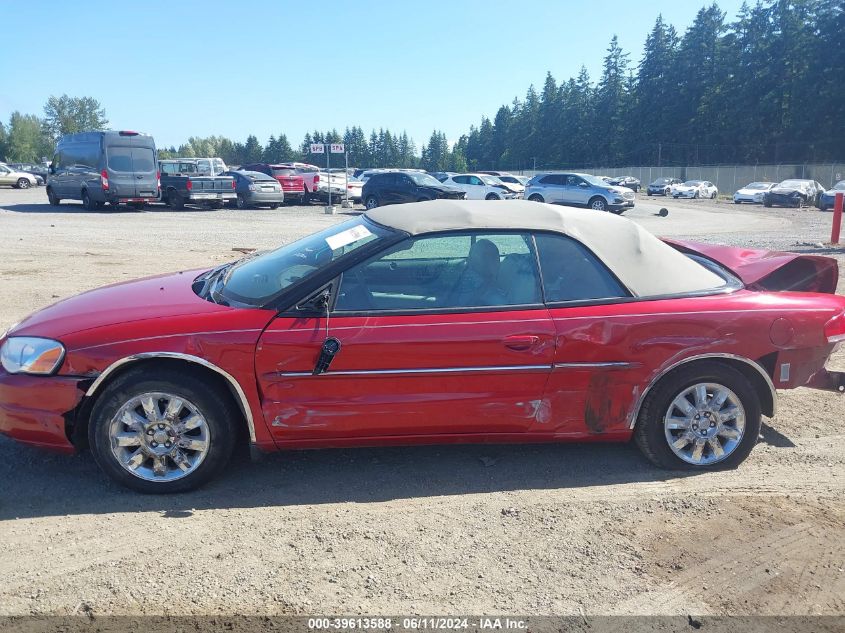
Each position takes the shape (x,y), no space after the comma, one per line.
(753,192)
(355,187)
(695,189)
(18,179)
(480,187)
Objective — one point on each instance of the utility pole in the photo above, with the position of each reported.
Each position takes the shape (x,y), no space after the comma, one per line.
(659,153)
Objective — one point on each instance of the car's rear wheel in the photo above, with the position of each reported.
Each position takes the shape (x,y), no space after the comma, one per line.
(162,432)
(23,183)
(695,195)
(713,196)
(87,203)
(240,201)
(371,202)
(536,197)
(704,416)
(491,196)
(274,206)
(52,198)
(175,201)
(598,204)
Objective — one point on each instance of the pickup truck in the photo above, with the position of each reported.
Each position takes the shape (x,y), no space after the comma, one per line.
(181,184)
(310,179)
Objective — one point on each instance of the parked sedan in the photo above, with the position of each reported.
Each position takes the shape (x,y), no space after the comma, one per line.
(695,189)
(515,183)
(255,189)
(626,181)
(579,189)
(14,178)
(828,198)
(752,192)
(794,193)
(480,186)
(39,171)
(662,186)
(444,323)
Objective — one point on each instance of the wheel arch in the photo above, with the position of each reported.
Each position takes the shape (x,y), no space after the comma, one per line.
(752,370)
(171,359)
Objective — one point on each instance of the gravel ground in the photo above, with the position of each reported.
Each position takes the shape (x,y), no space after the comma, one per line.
(442,530)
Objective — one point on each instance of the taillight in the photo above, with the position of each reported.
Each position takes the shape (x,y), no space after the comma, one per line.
(834,330)
(104,180)
(158,180)
(316,178)
(233,184)
(189,185)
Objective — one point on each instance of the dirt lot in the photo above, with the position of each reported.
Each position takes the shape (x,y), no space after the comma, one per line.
(525,529)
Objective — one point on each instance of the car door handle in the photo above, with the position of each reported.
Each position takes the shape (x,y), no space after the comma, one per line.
(521,342)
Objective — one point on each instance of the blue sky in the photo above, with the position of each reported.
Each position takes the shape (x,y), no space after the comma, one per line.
(197,68)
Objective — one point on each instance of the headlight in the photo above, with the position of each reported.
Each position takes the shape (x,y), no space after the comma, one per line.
(30,355)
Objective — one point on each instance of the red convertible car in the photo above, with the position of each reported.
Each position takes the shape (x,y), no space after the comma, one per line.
(442,321)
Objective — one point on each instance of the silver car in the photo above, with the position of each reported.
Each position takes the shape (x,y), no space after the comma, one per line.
(579,189)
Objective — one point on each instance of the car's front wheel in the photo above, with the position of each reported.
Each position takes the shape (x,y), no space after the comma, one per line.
(23,183)
(598,204)
(536,197)
(704,416)
(163,431)
(371,202)
(52,198)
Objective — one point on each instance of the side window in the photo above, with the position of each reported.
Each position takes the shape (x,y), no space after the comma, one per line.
(461,180)
(167,168)
(552,179)
(461,270)
(88,155)
(573,273)
(475,180)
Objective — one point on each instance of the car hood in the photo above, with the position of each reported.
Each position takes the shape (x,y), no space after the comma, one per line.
(751,192)
(787,190)
(149,298)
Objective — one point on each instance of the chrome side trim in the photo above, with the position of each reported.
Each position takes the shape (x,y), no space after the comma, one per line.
(742,359)
(602,365)
(432,370)
(244,403)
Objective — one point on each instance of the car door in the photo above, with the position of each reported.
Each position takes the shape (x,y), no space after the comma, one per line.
(554,188)
(578,190)
(593,380)
(462,183)
(6,176)
(443,334)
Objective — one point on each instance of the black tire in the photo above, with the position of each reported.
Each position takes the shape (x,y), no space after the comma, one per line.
(713,197)
(371,202)
(216,205)
(87,203)
(240,201)
(648,193)
(536,197)
(695,195)
(306,197)
(138,206)
(597,203)
(736,201)
(175,200)
(23,183)
(52,198)
(491,196)
(216,406)
(767,204)
(274,206)
(650,435)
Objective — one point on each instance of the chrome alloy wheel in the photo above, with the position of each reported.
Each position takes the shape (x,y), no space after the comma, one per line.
(705,423)
(159,436)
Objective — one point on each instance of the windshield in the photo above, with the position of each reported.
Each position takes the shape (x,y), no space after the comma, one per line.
(595,181)
(839,185)
(257,280)
(490,180)
(759,185)
(423,179)
(510,179)
(794,184)
(692,183)
(283,171)
(662,181)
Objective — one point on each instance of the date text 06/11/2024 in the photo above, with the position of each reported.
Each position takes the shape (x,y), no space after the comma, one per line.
(416,624)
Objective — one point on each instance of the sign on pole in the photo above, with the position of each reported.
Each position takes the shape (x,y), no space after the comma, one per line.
(318,148)
(337,148)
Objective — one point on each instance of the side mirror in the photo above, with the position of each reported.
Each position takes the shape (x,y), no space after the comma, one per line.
(316,304)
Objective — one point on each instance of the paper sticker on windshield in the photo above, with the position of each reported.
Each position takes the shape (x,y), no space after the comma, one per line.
(347,237)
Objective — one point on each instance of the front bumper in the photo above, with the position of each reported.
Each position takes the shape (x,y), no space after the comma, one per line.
(683,194)
(756,199)
(33,409)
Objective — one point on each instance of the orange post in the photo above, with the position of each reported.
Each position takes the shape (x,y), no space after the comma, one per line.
(837,218)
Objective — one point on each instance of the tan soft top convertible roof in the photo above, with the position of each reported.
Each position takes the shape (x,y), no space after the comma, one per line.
(646,265)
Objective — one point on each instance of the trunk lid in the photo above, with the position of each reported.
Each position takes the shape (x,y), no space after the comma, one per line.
(765,270)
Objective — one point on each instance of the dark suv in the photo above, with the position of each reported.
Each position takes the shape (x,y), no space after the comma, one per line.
(396,187)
